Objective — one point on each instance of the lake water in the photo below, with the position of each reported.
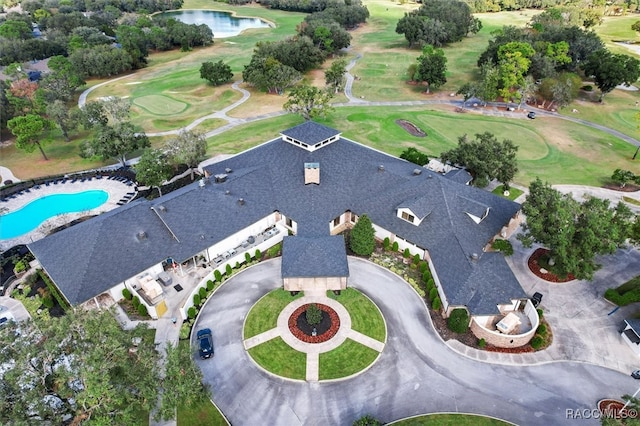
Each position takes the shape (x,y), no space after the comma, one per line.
(221,23)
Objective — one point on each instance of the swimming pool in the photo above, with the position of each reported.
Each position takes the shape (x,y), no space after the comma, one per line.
(33,214)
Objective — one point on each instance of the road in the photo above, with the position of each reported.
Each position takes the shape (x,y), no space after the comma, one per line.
(416,373)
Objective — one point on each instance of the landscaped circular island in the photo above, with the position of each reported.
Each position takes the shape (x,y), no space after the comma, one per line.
(347,338)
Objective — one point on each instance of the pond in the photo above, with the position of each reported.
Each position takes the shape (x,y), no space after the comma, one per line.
(221,23)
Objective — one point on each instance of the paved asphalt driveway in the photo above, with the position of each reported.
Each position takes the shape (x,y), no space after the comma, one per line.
(416,373)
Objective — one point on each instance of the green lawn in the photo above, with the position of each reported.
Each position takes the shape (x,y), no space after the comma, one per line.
(281,359)
(513,192)
(365,315)
(347,359)
(205,414)
(451,420)
(263,315)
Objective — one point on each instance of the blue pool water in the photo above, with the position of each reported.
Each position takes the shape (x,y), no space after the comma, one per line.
(33,214)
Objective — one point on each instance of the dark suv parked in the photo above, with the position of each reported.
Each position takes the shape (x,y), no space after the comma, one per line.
(205,343)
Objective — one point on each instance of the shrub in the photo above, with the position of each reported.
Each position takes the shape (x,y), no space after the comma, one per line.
(436,304)
(367,420)
(237,265)
(21,266)
(424,266)
(217,275)
(542,330)
(503,246)
(196,299)
(47,301)
(274,251)
(587,88)
(426,276)
(395,246)
(126,294)
(258,254)
(135,301)
(362,237)
(406,253)
(537,342)
(142,310)
(191,312)
(247,257)
(623,299)
(458,321)
(429,285)
(482,343)
(386,243)
(185,329)
(416,259)
(540,312)
(228,270)
(313,314)
(431,282)
(433,293)
(210,285)
(203,293)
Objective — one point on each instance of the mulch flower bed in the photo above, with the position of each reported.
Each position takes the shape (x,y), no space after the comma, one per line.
(537,269)
(611,408)
(304,332)
(630,187)
(411,128)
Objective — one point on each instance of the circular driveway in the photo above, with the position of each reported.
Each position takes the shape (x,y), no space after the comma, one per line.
(416,373)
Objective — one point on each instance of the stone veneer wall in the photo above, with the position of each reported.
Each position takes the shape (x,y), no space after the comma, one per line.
(500,340)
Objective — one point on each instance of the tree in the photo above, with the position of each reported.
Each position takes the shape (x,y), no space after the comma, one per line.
(432,67)
(334,75)
(182,384)
(309,101)
(216,73)
(79,368)
(513,64)
(573,232)
(485,157)
(60,114)
(636,26)
(269,74)
(438,22)
(622,177)
(416,157)
(189,148)
(610,69)
(28,129)
(152,169)
(115,136)
(468,91)
(362,237)
(61,83)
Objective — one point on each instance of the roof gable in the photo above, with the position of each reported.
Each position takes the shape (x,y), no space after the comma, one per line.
(314,257)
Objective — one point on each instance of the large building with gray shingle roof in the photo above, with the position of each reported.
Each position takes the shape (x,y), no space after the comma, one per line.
(266,189)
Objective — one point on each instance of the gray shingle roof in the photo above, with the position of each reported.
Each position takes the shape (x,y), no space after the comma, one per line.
(314,257)
(90,258)
(310,132)
(635,325)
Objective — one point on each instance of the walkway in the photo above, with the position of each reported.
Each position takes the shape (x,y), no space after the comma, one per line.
(6,174)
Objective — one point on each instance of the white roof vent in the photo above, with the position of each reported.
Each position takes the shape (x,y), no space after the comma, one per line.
(201,183)
(162,208)
(228,170)
(474,256)
(142,235)
(219,178)
(417,171)
(241,201)
(381,168)
(227,192)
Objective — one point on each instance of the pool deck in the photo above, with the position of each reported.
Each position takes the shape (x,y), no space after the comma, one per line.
(117,190)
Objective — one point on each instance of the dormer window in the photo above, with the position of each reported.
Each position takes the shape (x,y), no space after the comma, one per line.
(408,217)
